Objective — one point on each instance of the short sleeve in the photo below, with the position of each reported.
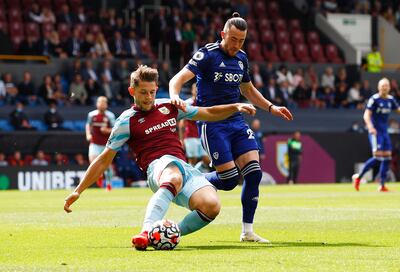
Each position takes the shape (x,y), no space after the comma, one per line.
(246,70)
(198,62)
(120,133)
(190,111)
(111,117)
(371,104)
(89,119)
(395,105)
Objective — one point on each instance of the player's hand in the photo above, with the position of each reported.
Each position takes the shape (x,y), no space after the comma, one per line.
(282,112)
(372,130)
(88,138)
(70,200)
(179,103)
(246,108)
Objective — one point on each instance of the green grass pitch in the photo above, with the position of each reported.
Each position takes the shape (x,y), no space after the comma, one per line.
(312,228)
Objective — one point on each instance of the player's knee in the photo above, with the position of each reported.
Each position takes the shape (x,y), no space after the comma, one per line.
(252,173)
(211,207)
(229,178)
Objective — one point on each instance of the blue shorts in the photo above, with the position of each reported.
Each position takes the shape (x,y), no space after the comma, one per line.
(193,179)
(226,140)
(380,142)
(95,149)
(193,148)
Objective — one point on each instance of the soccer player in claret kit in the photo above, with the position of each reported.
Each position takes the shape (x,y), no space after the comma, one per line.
(149,128)
(221,71)
(98,128)
(376,116)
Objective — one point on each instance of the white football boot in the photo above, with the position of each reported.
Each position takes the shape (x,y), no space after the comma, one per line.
(252,237)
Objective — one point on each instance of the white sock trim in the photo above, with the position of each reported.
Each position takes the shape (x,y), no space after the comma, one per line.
(247,227)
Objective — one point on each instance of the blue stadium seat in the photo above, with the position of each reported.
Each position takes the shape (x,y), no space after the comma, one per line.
(38,124)
(69,125)
(79,125)
(5,125)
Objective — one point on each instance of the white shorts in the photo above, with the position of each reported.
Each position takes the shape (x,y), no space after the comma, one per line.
(193,148)
(95,150)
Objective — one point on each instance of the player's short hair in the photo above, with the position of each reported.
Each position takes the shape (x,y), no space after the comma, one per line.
(144,73)
(236,21)
(383,80)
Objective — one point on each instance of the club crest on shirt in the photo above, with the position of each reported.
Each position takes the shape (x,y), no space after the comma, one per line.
(141,120)
(215,155)
(164,110)
(240,64)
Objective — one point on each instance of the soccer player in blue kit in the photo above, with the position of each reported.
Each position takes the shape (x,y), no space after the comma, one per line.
(376,117)
(221,71)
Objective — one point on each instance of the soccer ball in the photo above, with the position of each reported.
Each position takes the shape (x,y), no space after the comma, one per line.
(164,235)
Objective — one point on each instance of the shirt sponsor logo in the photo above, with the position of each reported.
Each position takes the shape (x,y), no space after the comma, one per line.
(228,77)
(169,123)
(141,120)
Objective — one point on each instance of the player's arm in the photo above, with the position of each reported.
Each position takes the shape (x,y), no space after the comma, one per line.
(176,84)
(88,132)
(368,122)
(95,169)
(255,97)
(221,112)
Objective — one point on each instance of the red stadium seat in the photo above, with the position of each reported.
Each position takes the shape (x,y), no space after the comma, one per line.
(271,54)
(44,3)
(14,15)
(282,37)
(95,28)
(75,4)
(82,29)
(28,159)
(2,5)
(146,48)
(17,40)
(63,31)
(297,37)
(312,37)
(264,24)
(317,54)
(301,52)
(286,53)
(47,27)
(16,29)
(254,51)
(259,9)
(252,35)
(27,5)
(251,23)
(13,4)
(58,4)
(4,26)
(32,29)
(280,25)
(273,10)
(267,36)
(294,25)
(332,54)
(3,16)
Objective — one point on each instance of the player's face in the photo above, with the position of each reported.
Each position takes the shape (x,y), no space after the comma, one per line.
(232,40)
(144,95)
(384,88)
(101,104)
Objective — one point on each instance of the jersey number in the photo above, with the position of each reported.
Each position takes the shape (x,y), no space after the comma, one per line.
(250,133)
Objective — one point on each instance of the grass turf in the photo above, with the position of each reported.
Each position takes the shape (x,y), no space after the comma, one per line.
(312,228)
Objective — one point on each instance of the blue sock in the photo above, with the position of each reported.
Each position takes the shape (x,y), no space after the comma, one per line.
(157,207)
(225,180)
(252,177)
(383,169)
(371,162)
(193,222)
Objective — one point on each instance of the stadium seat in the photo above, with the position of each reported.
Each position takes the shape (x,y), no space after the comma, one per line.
(27,4)
(28,159)
(294,25)
(75,4)
(44,3)
(267,36)
(14,15)
(16,41)
(270,54)
(254,51)
(6,126)
(38,124)
(49,27)
(13,4)
(63,31)
(3,16)
(79,125)
(282,37)
(264,24)
(16,29)
(32,29)
(82,29)
(317,53)
(4,27)
(251,23)
(297,37)
(94,28)
(280,25)
(273,10)
(332,54)
(301,52)
(286,53)
(252,35)
(259,9)
(146,48)
(68,125)
(312,37)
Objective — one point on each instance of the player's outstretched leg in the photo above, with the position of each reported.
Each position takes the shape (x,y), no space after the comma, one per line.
(205,207)
(156,210)
(370,163)
(252,176)
(224,180)
(383,174)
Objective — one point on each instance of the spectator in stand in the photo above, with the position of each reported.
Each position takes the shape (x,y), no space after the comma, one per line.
(46,47)
(16,159)
(314,93)
(298,77)
(60,159)
(34,13)
(75,69)
(47,16)
(11,88)
(123,74)
(117,45)
(257,78)
(93,90)
(132,46)
(26,90)
(283,74)
(258,135)
(40,159)
(301,95)
(18,119)
(80,160)
(366,90)
(88,72)
(77,91)
(269,71)
(3,161)
(131,27)
(273,93)
(3,92)
(119,25)
(326,98)
(394,126)
(354,97)
(341,78)
(73,45)
(101,46)
(81,17)
(65,16)
(310,76)
(328,78)
(46,90)
(87,47)
(389,16)
(29,46)
(107,70)
(52,118)
(341,96)
(374,61)
(165,75)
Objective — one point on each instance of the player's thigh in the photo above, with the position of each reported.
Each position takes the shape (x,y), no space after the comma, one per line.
(247,157)
(216,141)
(206,200)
